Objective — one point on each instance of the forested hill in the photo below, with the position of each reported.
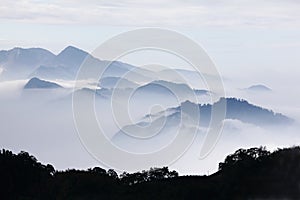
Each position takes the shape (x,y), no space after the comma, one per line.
(246,174)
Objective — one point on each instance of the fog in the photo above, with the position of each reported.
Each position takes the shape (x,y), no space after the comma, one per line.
(41,122)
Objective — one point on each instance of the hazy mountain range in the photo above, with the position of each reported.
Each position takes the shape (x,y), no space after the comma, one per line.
(35,82)
(19,63)
(236,109)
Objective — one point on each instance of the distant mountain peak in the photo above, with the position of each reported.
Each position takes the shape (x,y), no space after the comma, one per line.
(242,110)
(188,103)
(259,87)
(36,83)
(72,50)
(71,57)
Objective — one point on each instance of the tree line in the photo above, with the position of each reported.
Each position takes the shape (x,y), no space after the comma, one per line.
(253,173)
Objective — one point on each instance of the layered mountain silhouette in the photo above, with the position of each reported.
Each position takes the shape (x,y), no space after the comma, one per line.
(167,88)
(116,82)
(155,89)
(41,65)
(189,118)
(236,109)
(67,63)
(36,83)
(19,63)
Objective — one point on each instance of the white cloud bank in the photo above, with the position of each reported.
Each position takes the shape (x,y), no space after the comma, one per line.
(269,13)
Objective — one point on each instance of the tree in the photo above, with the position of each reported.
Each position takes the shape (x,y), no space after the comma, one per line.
(112,173)
(247,156)
(50,169)
(97,170)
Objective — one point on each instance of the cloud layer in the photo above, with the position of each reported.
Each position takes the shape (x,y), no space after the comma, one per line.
(270,13)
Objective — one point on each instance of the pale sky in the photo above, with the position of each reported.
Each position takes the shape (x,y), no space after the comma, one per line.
(237,34)
(255,13)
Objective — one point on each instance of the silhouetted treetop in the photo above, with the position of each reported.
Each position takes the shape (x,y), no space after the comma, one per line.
(253,173)
(244,155)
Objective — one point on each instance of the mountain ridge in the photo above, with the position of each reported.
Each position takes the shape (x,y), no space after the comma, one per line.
(36,83)
(236,109)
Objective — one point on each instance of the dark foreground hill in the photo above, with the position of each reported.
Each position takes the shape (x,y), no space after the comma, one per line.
(247,174)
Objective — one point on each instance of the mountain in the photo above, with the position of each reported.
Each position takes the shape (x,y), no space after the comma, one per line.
(63,66)
(113,82)
(161,127)
(236,109)
(166,84)
(248,113)
(71,57)
(202,92)
(36,83)
(178,89)
(258,88)
(67,63)
(19,63)
(162,92)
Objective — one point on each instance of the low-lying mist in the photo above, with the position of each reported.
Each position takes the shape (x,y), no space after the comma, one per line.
(40,121)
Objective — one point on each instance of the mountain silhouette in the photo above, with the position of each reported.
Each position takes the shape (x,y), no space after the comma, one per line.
(20,63)
(113,82)
(36,83)
(237,109)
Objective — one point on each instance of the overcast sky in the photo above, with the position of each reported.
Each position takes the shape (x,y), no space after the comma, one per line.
(257,13)
(251,34)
